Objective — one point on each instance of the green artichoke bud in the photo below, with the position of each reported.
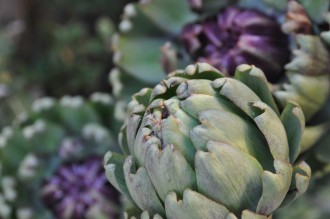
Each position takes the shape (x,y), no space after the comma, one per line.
(201,145)
(51,163)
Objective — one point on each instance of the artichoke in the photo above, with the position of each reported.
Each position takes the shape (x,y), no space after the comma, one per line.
(201,145)
(51,163)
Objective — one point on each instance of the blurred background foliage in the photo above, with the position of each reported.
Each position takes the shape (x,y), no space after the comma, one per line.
(53,48)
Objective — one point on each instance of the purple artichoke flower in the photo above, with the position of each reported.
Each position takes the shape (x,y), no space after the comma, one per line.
(236,36)
(77,187)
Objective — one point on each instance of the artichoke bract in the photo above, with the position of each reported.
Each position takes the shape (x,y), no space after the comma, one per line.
(201,145)
(51,163)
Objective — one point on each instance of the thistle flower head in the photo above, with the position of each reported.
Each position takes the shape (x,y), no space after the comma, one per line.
(236,36)
(77,187)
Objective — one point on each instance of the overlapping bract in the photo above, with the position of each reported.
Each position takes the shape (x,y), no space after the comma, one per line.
(200,145)
(51,163)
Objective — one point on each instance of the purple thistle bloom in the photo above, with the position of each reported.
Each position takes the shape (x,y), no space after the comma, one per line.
(237,36)
(75,188)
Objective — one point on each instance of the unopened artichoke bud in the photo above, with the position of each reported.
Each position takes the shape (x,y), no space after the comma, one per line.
(201,145)
(52,166)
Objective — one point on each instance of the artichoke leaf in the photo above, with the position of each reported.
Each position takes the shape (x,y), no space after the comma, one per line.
(169,15)
(229,128)
(299,183)
(237,185)
(132,56)
(194,206)
(294,122)
(141,189)
(169,170)
(113,164)
(274,187)
(171,134)
(273,130)
(237,92)
(197,103)
(256,80)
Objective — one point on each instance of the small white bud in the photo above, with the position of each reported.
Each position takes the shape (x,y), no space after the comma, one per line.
(72,102)
(43,104)
(28,166)
(125,25)
(39,125)
(129,10)
(120,110)
(7,132)
(8,184)
(101,98)
(28,132)
(95,132)
(4,208)
(24,213)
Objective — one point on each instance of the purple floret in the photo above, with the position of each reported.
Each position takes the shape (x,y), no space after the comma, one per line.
(77,187)
(236,36)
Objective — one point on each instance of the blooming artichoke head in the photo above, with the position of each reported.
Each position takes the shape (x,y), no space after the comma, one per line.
(236,36)
(51,164)
(201,145)
(79,189)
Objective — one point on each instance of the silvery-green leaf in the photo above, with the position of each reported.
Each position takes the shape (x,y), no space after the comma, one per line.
(237,185)
(299,183)
(169,15)
(141,189)
(194,206)
(168,165)
(222,126)
(113,169)
(273,130)
(256,80)
(274,187)
(237,92)
(131,55)
(294,123)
